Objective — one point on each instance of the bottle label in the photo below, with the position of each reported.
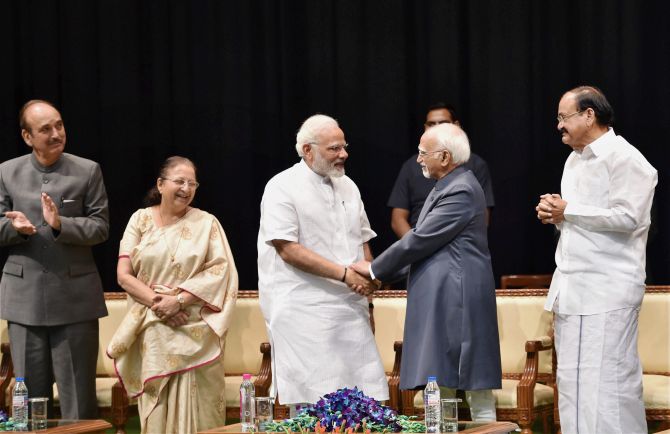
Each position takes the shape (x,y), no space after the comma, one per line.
(432,399)
(19,400)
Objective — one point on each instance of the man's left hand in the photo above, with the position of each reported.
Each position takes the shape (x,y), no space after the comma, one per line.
(50,212)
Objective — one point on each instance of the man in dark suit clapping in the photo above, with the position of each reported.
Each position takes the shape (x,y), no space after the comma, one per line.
(53,208)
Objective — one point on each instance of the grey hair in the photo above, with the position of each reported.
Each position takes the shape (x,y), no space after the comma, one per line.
(310,129)
(452,138)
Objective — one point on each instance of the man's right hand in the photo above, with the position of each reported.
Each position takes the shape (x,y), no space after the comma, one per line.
(360,284)
(21,223)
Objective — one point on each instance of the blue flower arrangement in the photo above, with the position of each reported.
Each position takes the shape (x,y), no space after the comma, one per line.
(347,411)
(6,422)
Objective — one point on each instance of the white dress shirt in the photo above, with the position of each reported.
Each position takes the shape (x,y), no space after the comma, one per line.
(319,328)
(601,254)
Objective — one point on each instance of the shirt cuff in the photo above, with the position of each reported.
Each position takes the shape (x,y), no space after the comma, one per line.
(372,275)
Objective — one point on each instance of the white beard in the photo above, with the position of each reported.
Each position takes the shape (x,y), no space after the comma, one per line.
(424,171)
(325,168)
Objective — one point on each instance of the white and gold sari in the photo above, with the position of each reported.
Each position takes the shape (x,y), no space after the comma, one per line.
(177,373)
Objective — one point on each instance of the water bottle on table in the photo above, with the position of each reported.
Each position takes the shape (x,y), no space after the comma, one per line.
(20,404)
(247,404)
(431,403)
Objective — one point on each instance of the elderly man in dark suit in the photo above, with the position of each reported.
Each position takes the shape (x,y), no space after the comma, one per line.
(451,329)
(53,208)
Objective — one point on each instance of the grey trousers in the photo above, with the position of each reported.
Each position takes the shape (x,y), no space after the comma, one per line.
(66,354)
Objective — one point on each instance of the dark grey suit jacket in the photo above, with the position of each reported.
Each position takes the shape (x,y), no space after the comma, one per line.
(451,328)
(51,279)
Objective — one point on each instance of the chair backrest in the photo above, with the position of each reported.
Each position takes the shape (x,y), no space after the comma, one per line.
(246,333)
(117,306)
(654,330)
(389,314)
(4,332)
(511,281)
(521,317)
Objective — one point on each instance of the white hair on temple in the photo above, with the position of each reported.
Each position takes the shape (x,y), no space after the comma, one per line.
(310,129)
(452,138)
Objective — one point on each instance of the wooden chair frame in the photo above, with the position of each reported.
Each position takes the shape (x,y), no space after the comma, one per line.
(525,413)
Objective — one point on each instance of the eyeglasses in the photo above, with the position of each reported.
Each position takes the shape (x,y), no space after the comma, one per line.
(563,118)
(183,182)
(424,154)
(429,124)
(335,149)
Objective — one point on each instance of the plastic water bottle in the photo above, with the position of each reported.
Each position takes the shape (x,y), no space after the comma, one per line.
(20,403)
(431,403)
(247,404)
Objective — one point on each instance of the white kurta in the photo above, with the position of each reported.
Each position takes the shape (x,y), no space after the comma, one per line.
(600,258)
(319,328)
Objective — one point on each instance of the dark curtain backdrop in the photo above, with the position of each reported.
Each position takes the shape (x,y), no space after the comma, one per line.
(228,83)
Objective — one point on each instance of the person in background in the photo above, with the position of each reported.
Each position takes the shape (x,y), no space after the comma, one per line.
(411,188)
(53,209)
(603,216)
(177,267)
(313,226)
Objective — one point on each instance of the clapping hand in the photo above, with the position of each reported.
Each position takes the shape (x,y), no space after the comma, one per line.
(50,212)
(21,223)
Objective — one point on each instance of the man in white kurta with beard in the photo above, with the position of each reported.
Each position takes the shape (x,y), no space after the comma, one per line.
(313,226)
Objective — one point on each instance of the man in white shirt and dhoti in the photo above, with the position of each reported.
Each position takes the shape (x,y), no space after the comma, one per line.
(597,288)
(313,226)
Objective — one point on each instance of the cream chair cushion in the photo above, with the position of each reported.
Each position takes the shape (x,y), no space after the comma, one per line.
(389,316)
(506,397)
(654,331)
(242,348)
(656,392)
(522,318)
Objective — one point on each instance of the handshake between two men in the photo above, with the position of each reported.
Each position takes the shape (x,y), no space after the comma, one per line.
(357,277)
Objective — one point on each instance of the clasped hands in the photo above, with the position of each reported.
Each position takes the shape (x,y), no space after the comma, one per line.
(550,209)
(358,278)
(167,309)
(24,226)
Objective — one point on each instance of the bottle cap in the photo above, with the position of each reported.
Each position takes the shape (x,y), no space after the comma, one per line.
(20,379)
(432,379)
(246,376)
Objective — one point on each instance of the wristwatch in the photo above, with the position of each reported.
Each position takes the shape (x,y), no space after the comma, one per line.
(180,300)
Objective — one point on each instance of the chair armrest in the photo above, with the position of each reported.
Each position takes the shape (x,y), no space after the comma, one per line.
(6,374)
(394,378)
(540,344)
(526,387)
(405,398)
(264,378)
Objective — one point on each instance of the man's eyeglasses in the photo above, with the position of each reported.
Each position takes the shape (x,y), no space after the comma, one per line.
(563,118)
(424,154)
(335,149)
(183,182)
(429,124)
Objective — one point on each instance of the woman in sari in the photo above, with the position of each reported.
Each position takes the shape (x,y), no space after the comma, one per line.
(176,265)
